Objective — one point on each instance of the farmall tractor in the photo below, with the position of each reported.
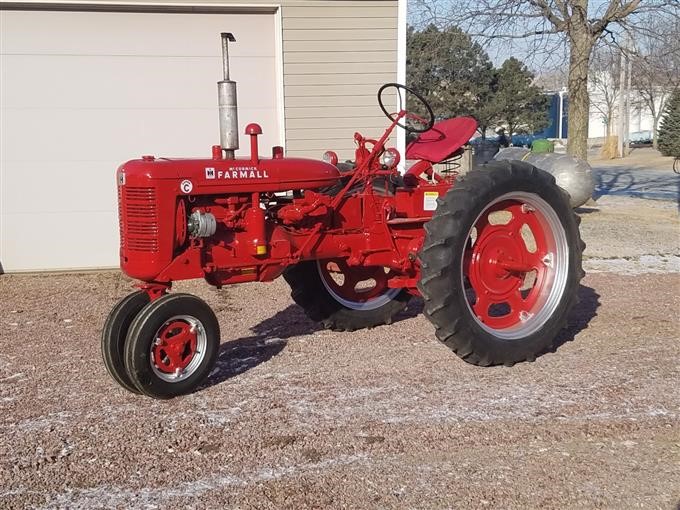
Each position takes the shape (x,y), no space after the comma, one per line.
(495,254)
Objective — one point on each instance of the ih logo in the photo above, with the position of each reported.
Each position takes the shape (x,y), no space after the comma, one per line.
(209,173)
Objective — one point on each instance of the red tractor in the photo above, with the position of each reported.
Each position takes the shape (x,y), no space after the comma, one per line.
(495,254)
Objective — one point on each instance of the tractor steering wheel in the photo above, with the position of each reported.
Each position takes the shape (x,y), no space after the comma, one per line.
(427,123)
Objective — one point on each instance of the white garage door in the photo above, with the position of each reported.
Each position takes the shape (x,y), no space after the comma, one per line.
(83,92)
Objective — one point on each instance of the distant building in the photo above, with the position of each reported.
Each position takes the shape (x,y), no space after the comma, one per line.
(602,103)
(558,114)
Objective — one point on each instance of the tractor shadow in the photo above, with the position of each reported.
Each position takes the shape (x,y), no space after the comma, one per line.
(271,335)
(580,316)
(269,338)
(577,321)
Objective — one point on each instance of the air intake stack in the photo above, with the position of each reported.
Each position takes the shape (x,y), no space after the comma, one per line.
(226,91)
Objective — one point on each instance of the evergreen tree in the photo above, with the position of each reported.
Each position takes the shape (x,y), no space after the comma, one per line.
(520,105)
(669,129)
(452,72)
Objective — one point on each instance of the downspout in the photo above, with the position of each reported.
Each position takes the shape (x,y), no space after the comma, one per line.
(401,74)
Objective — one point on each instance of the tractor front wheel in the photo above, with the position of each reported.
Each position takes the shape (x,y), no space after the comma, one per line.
(501,264)
(343,297)
(113,336)
(172,346)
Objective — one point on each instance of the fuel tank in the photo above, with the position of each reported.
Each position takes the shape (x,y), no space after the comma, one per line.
(217,176)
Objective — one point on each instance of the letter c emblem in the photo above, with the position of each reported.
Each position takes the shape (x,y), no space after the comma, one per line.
(186,186)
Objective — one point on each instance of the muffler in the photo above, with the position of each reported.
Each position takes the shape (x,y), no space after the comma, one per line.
(226,93)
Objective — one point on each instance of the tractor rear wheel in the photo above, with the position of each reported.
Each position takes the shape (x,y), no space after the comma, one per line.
(342,297)
(114,333)
(172,346)
(501,264)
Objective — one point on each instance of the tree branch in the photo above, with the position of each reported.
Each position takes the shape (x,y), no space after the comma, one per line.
(549,14)
(616,12)
(515,36)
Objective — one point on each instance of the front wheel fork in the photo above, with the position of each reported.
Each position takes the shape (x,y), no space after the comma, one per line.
(154,290)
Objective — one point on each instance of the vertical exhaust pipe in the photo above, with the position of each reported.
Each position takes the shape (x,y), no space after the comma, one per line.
(226,93)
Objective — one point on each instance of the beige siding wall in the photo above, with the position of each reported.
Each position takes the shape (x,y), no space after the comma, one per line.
(336,54)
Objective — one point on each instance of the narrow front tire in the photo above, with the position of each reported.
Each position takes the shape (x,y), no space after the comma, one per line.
(172,346)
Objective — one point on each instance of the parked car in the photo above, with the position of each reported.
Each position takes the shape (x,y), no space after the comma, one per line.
(641,139)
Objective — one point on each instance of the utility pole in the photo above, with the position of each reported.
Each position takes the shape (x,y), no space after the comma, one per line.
(629,71)
(625,73)
(622,104)
(560,121)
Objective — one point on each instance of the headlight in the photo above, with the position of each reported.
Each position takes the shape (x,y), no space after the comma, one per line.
(330,157)
(390,158)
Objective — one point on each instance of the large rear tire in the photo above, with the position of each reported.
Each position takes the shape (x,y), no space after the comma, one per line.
(501,264)
(330,292)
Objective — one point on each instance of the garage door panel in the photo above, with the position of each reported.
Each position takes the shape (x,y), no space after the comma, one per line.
(81,186)
(154,34)
(81,93)
(118,135)
(120,82)
(65,240)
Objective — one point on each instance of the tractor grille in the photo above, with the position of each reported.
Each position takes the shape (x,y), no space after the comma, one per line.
(138,219)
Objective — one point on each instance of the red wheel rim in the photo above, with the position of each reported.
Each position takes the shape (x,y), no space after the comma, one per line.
(516,264)
(178,348)
(358,288)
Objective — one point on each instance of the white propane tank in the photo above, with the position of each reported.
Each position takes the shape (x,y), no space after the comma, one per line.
(573,175)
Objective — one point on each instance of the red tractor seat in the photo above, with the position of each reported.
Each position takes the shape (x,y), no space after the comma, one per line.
(440,142)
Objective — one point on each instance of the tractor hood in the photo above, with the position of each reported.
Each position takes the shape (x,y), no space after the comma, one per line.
(211,176)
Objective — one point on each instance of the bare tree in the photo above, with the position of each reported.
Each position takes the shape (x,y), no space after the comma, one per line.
(576,23)
(655,58)
(551,79)
(604,84)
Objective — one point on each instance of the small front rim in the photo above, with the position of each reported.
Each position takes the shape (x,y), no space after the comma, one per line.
(347,289)
(515,265)
(178,348)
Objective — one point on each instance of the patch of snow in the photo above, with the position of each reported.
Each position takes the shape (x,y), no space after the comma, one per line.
(111,496)
(514,402)
(43,422)
(13,376)
(644,264)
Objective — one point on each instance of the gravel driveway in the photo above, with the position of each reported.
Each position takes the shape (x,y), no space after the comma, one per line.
(297,417)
